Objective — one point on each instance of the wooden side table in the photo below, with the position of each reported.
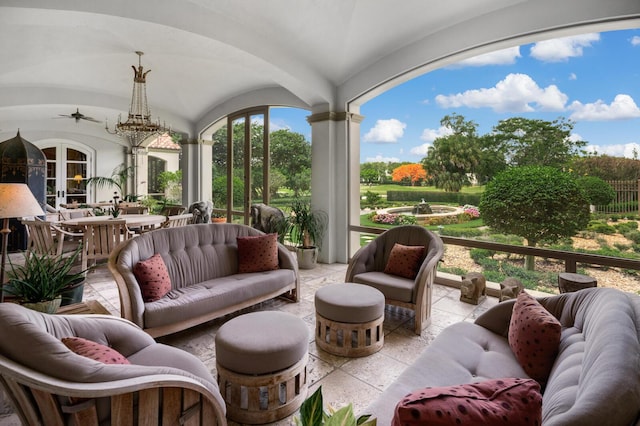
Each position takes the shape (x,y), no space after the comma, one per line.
(86,307)
(569,282)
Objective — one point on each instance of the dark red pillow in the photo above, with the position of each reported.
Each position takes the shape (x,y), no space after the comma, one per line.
(534,337)
(258,253)
(153,277)
(509,401)
(95,351)
(404,261)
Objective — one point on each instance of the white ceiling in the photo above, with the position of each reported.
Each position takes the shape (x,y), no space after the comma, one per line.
(209,57)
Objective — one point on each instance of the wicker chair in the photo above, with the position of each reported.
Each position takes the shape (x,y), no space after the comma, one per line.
(48,384)
(368,264)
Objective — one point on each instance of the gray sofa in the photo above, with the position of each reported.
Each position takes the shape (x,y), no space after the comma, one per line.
(595,379)
(202,261)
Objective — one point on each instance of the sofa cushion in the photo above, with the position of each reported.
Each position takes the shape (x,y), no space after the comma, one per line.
(534,337)
(153,278)
(258,253)
(511,401)
(404,261)
(94,351)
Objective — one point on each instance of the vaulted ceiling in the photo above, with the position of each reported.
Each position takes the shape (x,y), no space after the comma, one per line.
(210,57)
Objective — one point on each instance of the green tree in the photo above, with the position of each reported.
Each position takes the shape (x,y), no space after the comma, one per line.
(373,172)
(540,204)
(607,167)
(597,191)
(291,155)
(529,142)
(453,158)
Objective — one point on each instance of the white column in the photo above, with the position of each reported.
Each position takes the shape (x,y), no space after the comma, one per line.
(330,180)
(195,164)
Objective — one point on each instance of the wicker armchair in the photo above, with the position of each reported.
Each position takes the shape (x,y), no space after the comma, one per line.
(368,264)
(48,384)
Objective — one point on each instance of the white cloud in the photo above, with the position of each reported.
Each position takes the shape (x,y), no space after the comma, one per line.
(561,49)
(386,131)
(573,76)
(516,93)
(420,150)
(574,137)
(380,159)
(619,150)
(499,57)
(635,41)
(429,135)
(623,107)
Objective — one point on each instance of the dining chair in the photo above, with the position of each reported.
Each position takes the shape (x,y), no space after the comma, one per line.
(100,237)
(134,210)
(178,220)
(46,238)
(173,210)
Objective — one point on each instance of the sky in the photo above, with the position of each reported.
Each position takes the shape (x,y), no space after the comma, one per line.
(591,79)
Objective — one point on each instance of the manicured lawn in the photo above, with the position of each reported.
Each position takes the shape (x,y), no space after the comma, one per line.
(382,189)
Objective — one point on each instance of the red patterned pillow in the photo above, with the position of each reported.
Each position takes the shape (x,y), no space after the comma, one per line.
(404,261)
(258,253)
(153,277)
(95,351)
(534,337)
(510,401)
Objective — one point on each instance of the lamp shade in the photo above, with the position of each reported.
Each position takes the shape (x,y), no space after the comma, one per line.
(16,200)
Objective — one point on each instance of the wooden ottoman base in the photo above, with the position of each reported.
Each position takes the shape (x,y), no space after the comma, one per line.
(349,339)
(265,398)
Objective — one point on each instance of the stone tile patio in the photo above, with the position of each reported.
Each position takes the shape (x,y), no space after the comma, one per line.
(343,380)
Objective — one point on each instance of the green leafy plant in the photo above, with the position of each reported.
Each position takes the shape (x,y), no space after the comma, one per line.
(307,226)
(312,413)
(118,178)
(42,277)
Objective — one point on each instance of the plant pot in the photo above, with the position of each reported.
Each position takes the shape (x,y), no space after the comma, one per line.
(307,257)
(73,294)
(218,219)
(46,306)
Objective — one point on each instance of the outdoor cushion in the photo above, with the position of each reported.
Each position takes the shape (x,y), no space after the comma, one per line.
(257,253)
(153,277)
(94,351)
(404,261)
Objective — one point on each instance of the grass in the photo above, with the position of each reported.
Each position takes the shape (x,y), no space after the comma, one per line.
(382,189)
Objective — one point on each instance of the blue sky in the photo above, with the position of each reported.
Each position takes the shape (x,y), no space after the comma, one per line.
(591,79)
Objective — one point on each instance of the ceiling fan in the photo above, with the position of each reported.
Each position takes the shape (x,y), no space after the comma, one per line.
(79,116)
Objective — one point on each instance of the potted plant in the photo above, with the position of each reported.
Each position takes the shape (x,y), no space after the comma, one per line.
(307,231)
(312,414)
(40,281)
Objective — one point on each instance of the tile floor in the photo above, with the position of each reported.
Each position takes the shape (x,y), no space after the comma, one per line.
(343,380)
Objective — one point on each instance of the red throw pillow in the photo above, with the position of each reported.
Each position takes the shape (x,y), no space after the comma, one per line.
(404,261)
(534,337)
(95,351)
(510,401)
(153,277)
(258,253)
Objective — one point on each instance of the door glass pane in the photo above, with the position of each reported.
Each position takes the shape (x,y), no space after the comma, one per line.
(219,169)
(257,159)
(237,171)
(50,154)
(76,175)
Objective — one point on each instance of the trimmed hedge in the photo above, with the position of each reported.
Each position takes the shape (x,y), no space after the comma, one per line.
(434,197)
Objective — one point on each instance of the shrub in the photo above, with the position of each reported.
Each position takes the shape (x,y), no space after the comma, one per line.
(633,236)
(601,227)
(392,219)
(479,254)
(460,232)
(626,227)
(597,191)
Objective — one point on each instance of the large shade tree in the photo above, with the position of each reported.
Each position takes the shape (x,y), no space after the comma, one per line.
(540,204)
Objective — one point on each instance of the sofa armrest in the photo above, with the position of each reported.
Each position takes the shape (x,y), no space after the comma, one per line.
(497,318)
(362,261)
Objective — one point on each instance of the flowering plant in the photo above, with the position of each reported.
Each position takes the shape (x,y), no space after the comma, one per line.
(471,212)
(392,219)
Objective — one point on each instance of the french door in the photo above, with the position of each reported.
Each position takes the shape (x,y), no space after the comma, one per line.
(68,168)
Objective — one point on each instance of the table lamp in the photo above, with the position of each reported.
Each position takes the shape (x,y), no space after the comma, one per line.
(16,200)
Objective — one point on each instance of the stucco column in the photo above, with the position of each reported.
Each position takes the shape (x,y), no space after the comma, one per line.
(330,178)
(195,164)
(140,170)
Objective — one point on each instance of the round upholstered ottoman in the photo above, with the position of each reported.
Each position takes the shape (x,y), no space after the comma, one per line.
(261,358)
(349,319)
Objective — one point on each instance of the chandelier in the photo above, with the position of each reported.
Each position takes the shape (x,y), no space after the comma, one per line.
(138,126)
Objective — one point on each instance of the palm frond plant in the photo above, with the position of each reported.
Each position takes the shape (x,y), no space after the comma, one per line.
(307,226)
(118,178)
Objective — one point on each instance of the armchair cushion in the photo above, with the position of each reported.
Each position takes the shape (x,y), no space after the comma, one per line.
(257,253)
(94,351)
(404,261)
(153,276)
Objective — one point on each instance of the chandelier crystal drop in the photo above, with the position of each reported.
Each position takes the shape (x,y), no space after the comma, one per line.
(138,126)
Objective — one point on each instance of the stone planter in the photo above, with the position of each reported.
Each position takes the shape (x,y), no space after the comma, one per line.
(46,306)
(307,257)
